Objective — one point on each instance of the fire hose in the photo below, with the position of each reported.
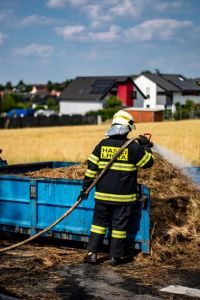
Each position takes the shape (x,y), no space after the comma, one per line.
(76,203)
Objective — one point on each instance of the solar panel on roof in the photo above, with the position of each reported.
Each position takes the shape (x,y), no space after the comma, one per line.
(98,90)
(183,84)
(100,86)
(103,82)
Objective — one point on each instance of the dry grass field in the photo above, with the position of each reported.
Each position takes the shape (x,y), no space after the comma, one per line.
(74,143)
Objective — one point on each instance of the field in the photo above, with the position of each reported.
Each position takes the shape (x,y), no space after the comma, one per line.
(55,271)
(74,143)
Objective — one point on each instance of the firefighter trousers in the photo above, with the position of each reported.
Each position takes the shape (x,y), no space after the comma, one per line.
(117,218)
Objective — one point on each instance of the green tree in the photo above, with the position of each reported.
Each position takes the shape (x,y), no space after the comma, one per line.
(51,103)
(178,105)
(2,88)
(188,104)
(21,86)
(7,102)
(50,85)
(10,101)
(112,102)
(8,85)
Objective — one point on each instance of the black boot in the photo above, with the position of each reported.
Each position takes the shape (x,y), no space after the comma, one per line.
(114,261)
(90,258)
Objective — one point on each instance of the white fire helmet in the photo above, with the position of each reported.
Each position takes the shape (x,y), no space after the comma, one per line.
(122,123)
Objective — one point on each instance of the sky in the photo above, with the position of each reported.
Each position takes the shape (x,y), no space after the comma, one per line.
(57,40)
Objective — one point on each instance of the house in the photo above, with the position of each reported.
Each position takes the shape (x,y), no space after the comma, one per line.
(90,93)
(164,90)
(39,89)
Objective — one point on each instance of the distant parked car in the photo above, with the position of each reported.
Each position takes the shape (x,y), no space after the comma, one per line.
(20,112)
(45,112)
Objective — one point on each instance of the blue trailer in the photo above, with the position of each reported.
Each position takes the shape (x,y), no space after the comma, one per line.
(28,205)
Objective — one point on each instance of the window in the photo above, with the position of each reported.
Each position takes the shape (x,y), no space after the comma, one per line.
(133,95)
(148,92)
(147,106)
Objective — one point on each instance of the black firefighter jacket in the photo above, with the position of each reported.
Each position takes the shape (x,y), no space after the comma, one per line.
(119,183)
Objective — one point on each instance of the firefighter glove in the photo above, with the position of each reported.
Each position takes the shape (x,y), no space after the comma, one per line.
(83,195)
(144,141)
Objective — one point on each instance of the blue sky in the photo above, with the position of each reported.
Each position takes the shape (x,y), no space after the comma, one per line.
(56,40)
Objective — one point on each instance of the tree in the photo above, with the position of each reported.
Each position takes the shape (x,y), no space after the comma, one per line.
(10,101)
(50,85)
(51,103)
(7,102)
(2,88)
(8,85)
(188,104)
(112,102)
(21,86)
(146,72)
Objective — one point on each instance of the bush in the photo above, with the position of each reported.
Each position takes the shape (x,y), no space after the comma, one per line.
(182,114)
(112,102)
(168,114)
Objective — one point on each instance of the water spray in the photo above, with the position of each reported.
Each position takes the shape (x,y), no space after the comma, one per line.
(180,163)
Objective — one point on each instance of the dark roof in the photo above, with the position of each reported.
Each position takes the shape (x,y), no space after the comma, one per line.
(91,88)
(173,82)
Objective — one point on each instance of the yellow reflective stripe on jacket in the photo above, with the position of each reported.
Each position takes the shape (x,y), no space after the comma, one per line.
(115,197)
(144,160)
(98,229)
(118,166)
(91,173)
(94,159)
(119,234)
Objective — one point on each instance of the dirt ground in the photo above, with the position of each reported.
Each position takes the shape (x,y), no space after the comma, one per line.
(41,270)
(44,271)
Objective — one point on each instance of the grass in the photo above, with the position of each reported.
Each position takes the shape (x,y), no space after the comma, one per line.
(74,143)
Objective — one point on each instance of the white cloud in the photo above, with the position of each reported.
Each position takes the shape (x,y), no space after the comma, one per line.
(107,36)
(56,3)
(126,7)
(167,6)
(3,37)
(38,50)
(35,20)
(8,18)
(98,14)
(70,32)
(160,29)
(63,3)
(80,33)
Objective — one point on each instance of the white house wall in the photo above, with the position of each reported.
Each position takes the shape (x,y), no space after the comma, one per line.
(148,87)
(177,97)
(77,107)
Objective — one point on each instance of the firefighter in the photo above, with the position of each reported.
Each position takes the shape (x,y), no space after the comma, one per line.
(116,192)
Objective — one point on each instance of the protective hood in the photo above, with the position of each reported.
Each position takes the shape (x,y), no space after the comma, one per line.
(117,129)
